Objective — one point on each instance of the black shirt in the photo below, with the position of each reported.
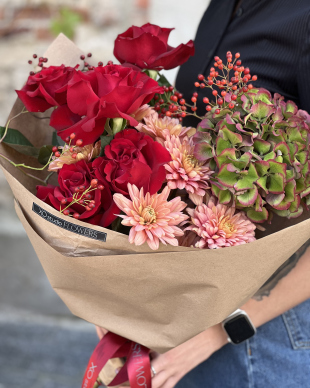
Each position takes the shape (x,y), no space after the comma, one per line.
(273,38)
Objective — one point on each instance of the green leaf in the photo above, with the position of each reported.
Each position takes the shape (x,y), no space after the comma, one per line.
(26,150)
(56,140)
(19,142)
(13,136)
(162,81)
(105,140)
(44,154)
(256,216)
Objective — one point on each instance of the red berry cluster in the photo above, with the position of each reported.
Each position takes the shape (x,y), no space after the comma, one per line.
(83,197)
(41,62)
(235,85)
(87,66)
(167,104)
(68,140)
(176,106)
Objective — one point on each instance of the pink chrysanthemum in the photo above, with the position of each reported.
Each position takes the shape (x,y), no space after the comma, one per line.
(184,171)
(152,217)
(86,153)
(159,128)
(218,226)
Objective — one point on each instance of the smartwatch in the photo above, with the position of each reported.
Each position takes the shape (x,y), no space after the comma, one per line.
(238,327)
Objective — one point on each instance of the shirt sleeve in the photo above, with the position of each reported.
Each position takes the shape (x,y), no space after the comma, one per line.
(303,71)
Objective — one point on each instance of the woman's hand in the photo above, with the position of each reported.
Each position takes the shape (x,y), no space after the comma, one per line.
(171,366)
(101,332)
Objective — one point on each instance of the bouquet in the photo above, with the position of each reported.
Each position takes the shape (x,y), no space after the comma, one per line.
(127,207)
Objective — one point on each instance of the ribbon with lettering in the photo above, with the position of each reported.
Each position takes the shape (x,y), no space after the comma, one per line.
(137,368)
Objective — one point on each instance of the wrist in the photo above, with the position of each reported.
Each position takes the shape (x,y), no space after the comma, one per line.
(209,341)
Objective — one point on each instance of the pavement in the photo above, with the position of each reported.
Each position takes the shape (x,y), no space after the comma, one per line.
(42,345)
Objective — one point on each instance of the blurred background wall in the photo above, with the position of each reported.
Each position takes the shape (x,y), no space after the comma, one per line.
(41,344)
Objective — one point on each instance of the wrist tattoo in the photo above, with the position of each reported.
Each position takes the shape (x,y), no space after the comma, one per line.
(281,272)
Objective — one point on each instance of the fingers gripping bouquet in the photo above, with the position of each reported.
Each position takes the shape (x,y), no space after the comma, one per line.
(108,174)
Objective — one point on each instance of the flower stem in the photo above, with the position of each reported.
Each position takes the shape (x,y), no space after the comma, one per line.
(8,123)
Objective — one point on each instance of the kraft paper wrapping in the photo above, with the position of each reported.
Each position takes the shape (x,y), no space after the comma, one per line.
(159,299)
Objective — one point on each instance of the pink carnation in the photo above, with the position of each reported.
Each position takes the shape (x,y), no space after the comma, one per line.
(153,219)
(218,226)
(185,171)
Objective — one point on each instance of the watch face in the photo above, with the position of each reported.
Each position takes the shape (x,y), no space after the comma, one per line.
(239,329)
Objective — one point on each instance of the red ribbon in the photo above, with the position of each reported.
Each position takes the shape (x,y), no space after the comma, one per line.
(137,368)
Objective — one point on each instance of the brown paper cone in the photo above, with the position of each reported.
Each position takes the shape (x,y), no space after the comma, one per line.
(159,299)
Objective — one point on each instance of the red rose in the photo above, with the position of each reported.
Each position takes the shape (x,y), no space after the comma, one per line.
(46,89)
(132,157)
(75,175)
(147,48)
(105,92)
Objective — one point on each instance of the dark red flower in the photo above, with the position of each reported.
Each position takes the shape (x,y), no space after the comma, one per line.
(147,48)
(46,89)
(132,157)
(104,92)
(75,175)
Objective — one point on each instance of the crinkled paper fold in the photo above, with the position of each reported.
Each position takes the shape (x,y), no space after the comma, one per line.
(159,299)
